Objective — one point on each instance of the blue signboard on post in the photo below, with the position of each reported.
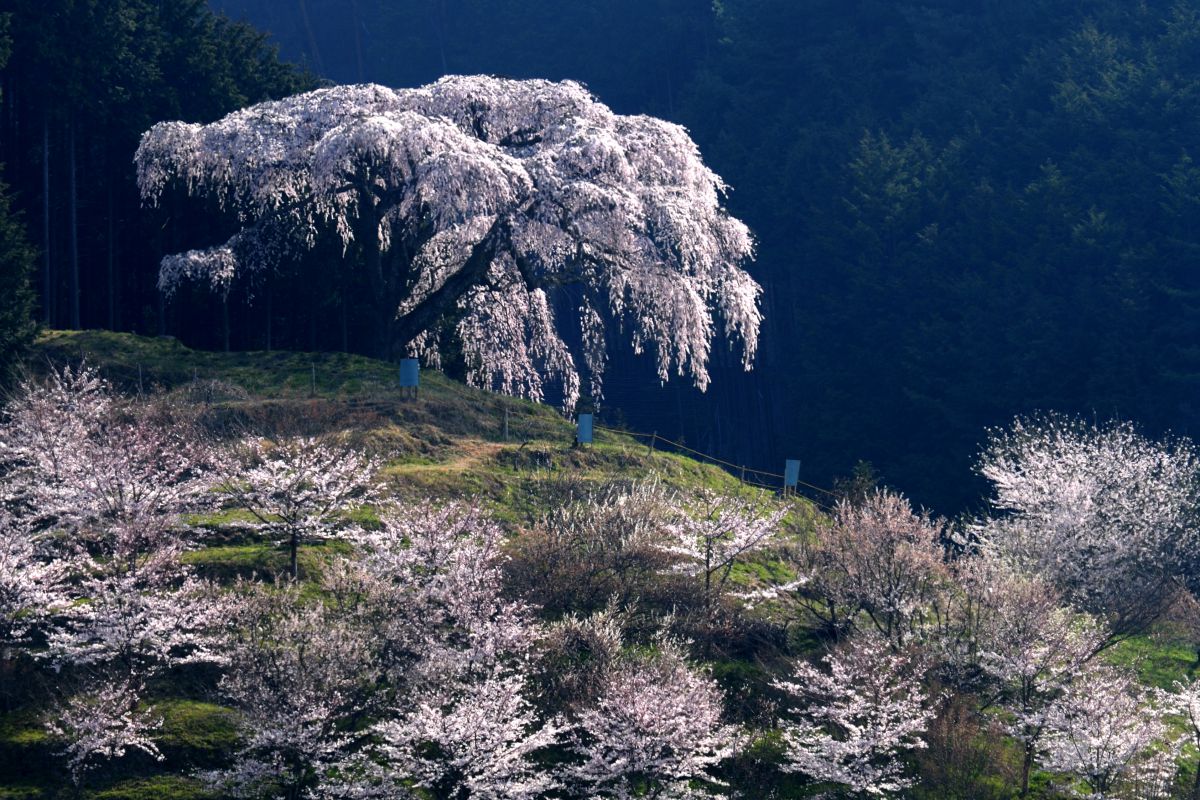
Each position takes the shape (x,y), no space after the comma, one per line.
(584,435)
(791,473)
(410,373)
(410,377)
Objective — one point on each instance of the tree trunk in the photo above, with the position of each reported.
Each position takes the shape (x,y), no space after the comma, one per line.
(1026,769)
(73,229)
(294,555)
(112,260)
(47,268)
(404,329)
(342,305)
(267,289)
(312,39)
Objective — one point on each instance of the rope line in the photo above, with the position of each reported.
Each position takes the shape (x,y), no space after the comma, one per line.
(743,469)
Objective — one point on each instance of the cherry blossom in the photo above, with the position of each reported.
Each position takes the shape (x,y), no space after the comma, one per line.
(655,729)
(1105,730)
(855,721)
(300,488)
(880,558)
(1033,648)
(715,533)
(34,579)
(298,672)
(84,456)
(106,723)
(481,198)
(1105,514)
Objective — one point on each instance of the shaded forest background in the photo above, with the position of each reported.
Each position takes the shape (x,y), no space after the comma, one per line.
(964,211)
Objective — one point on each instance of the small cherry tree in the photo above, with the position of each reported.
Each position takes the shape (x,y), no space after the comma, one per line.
(300,488)
(879,559)
(298,672)
(1106,731)
(654,730)
(479,740)
(81,455)
(482,200)
(853,723)
(114,475)
(136,612)
(1031,648)
(713,535)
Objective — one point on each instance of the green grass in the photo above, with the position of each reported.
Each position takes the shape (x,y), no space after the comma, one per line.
(198,732)
(158,787)
(1160,658)
(264,559)
(448,442)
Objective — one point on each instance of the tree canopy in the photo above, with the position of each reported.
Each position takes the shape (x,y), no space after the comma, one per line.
(484,209)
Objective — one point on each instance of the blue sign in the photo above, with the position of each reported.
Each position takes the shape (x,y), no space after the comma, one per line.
(791,473)
(585,429)
(410,372)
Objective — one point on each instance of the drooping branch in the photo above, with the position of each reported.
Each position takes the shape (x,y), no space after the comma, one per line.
(622,205)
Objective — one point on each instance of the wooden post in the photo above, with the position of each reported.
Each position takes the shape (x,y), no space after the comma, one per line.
(506,422)
(140,390)
(650,447)
(742,479)
(313,390)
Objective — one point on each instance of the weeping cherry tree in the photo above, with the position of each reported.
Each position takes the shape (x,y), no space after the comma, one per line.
(512,216)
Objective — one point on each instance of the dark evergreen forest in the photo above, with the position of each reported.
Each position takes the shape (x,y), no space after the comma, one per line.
(964,211)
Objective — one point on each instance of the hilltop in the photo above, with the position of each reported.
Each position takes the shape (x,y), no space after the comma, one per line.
(448,442)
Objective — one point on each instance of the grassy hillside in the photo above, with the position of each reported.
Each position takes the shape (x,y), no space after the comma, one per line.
(448,443)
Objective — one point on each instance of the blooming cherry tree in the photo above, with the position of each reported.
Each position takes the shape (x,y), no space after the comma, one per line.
(477,742)
(718,532)
(300,488)
(81,455)
(135,612)
(881,558)
(481,198)
(299,672)
(856,720)
(1105,514)
(654,730)
(1032,648)
(1106,731)
(105,723)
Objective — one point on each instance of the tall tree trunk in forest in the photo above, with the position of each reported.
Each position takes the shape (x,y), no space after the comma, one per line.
(312,39)
(312,319)
(267,289)
(112,258)
(358,48)
(47,272)
(73,228)
(342,303)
